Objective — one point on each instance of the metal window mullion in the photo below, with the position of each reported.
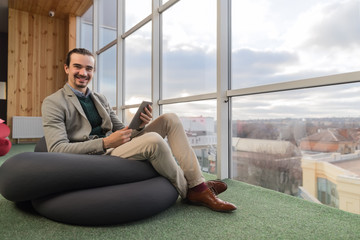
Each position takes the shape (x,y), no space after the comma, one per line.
(106,47)
(78,31)
(120,54)
(223,83)
(155,58)
(200,97)
(95,42)
(137,26)
(167,5)
(342,78)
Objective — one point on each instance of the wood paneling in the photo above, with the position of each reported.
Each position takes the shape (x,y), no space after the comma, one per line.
(62,8)
(37,48)
(71,32)
(36,51)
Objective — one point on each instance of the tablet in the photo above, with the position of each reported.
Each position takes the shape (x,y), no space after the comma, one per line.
(136,121)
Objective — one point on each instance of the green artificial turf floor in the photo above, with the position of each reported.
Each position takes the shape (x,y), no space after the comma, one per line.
(261,214)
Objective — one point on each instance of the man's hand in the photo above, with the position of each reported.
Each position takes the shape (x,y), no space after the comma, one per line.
(117,138)
(146,118)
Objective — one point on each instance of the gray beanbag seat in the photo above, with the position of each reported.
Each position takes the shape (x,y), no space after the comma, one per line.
(86,189)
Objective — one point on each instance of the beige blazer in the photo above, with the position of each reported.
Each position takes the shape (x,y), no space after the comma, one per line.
(66,127)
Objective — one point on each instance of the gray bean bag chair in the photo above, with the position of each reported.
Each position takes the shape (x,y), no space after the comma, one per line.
(85,189)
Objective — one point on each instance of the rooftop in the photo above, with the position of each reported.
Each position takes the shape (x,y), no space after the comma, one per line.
(350,165)
(332,135)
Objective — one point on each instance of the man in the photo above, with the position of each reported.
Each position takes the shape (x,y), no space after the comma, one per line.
(76,120)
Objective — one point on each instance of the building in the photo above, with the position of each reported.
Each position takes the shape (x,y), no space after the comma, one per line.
(334,179)
(268,163)
(331,140)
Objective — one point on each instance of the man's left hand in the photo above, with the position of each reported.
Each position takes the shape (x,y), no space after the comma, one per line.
(146,117)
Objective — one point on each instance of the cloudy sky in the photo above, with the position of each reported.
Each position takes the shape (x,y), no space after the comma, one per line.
(272,41)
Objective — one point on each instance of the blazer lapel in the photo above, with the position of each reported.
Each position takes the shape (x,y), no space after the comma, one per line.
(74,100)
(106,121)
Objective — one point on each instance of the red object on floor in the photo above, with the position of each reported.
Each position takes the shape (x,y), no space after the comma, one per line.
(5,143)
(4,130)
(5,146)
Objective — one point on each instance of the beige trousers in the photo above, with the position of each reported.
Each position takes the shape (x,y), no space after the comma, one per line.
(150,144)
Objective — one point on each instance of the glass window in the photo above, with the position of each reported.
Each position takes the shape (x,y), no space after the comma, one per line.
(327,192)
(135,11)
(107,22)
(277,41)
(189,48)
(138,66)
(87,29)
(199,121)
(272,132)
(107,74)
(129,114)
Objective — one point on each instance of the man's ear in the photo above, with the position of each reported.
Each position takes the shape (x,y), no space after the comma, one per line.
(66,68)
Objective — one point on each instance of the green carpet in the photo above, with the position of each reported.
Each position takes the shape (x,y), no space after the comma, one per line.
(262,214)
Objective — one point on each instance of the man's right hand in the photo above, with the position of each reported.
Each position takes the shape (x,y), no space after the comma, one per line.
(117,138)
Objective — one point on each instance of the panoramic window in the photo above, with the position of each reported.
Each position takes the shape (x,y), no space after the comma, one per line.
(278,123)
(107,22)
(107,74)
(199,121)
(138,66)
(277,41)
(86,36)
(189,49)
(273,132)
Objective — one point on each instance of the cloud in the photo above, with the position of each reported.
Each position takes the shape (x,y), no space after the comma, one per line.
(331,101)
(336,25)
(191,71)
(318,40)
(290,43)
(255,67)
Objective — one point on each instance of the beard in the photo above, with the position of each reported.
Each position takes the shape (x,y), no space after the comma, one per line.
(81,81)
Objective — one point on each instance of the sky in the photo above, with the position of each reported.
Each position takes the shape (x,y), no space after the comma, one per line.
(272,41)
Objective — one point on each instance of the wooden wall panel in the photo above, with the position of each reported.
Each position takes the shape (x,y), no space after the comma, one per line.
(71,32)
(61,8)
(36,53)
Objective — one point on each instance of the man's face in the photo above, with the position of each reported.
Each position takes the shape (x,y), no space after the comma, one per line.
(80,71)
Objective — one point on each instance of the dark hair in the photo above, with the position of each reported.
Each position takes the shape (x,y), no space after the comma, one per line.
(81,51)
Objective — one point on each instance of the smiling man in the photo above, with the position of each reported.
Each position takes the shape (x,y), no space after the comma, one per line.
(80,71)
(77,120)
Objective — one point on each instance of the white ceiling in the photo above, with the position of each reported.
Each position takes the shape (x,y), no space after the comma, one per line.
(4,15)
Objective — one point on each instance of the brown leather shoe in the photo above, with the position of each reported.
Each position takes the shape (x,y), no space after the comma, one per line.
(208,199)
(216,186)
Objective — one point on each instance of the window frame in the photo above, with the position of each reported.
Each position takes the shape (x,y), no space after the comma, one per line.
(223,94)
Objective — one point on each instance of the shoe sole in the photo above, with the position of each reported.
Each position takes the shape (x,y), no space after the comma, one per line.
(205,205)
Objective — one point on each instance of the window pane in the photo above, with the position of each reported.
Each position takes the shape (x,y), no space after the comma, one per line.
(135,11)
(327,193)
(107,74)
(189,48)
(277,41)
(87,30)
(138,66)
(129,114)
(107,22)
(284,142)
(199,121)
